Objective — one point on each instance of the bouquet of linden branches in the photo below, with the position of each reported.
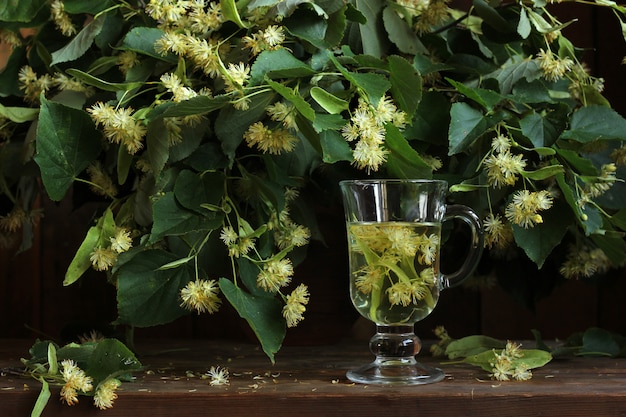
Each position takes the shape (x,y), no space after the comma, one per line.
(209,129)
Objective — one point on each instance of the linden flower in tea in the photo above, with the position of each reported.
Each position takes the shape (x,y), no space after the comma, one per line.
(394,270)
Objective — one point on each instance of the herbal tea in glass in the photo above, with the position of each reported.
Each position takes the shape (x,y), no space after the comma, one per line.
(394,268)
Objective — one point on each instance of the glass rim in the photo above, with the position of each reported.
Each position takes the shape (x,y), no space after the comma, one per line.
(393,181)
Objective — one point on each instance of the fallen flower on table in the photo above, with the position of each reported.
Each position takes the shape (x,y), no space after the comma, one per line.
(218,375)
(504,361)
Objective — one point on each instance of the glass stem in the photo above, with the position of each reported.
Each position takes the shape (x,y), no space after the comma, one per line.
(395,343)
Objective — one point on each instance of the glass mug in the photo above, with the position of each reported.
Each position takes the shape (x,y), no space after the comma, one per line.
(394,244)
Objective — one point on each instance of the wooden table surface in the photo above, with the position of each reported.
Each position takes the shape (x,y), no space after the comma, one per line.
(310,381)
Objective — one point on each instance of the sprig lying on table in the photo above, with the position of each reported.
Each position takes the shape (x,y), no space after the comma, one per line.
(503,360)
(93,368)
(506,360)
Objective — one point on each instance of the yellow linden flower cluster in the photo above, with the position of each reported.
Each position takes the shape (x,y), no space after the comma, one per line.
(77,381)
(103,258)
(295,305)
(507,365)
(268,39)
(584,262)
(119,125)
(498,233)
(393,245)
(278,139)
(523,209)
(503,167)
(189,28)
(553,67)
(367,128)
(34,85)
(429,12)
(597,186)
(275,271)
(201,296)
(61,19)
(272,141)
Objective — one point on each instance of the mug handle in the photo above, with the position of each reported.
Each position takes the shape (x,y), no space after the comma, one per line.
(457,211)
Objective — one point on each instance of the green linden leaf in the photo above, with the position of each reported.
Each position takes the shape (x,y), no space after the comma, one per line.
(592,216)
(230,12)
(486,98)
(20,11)
(195,105)
(42,398)
(472,345)
(466,124)
(278,64)
(374,85)
(491,16)
(193,138)
(193,190)
(231,124)
(596,123)
(111,358)
(406,85)
(309,26)
(619,219)
(170,218)
(600,342)
(19,114)
(294,98)
(337,24)
(142,39)
(539,241)
(334,147)
(101,84)
(262,313)
(157,145)
(328,122)
(79,353)
(79,44)
(403,161)
(523,27)
(86,6)
(288,7)
(67,142)
(431,120)
(582,165)
(329,102)
(401,34)
(249,271)
(530,92)
(515,71)
(373,39)
(124,163)
(538,129)
(544,173)
(147,295)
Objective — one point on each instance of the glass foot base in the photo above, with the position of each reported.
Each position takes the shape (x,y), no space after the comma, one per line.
(400,371)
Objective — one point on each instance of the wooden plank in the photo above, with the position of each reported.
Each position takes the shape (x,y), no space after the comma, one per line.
(310,381)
